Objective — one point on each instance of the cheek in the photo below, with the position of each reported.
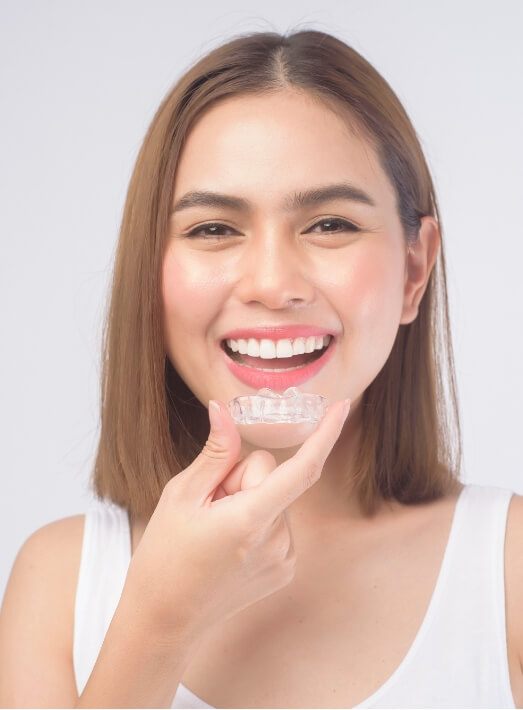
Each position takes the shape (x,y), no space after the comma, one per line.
(188,294)
(373,295)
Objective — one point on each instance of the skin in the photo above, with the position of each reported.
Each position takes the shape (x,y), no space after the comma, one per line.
(354,604)
(363,285)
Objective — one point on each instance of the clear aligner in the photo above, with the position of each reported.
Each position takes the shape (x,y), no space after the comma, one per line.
(269,407)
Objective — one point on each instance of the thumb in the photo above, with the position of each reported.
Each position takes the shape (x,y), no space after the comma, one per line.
(219,455)
(247,473)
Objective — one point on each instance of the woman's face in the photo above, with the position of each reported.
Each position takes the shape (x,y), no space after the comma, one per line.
(268,265)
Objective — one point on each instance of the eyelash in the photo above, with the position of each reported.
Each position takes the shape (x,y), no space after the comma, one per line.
(348,225)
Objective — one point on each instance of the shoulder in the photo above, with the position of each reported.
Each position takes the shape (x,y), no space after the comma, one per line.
(514,574)
(51,554)
(56,547)
(37,617)
(55,531)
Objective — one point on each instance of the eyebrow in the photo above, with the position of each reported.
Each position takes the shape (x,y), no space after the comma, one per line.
(293,202)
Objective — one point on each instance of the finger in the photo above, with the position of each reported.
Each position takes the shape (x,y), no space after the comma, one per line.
(293,477)
(247,473)
(217,458)
(218,493)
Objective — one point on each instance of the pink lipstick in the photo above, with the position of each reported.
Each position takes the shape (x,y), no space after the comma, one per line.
(279,381)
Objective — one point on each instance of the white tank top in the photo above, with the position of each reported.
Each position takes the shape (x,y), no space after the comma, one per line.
(458,658)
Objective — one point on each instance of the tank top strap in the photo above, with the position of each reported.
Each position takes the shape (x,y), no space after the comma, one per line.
(105,557)
(459,657)
(477,583)
(472,614)
(477,564)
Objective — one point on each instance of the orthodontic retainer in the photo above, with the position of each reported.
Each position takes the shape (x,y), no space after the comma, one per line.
(269,407)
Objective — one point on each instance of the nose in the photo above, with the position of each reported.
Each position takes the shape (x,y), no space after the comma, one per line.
(274,270)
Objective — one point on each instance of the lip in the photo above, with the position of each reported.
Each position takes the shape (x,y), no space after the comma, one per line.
(278,380)
(276,332)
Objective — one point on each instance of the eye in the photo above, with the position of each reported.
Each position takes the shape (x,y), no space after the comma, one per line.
(215,227)
(211,226)
(346,226)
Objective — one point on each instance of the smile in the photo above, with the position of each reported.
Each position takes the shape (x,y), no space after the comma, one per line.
(246,368)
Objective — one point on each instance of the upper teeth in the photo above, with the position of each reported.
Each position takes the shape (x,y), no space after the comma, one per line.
(269,349)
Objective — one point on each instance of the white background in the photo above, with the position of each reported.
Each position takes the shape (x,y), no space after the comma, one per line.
(80,83)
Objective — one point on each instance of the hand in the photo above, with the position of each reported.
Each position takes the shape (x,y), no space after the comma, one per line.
(218,540)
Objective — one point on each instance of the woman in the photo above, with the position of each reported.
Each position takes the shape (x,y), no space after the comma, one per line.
(280,193)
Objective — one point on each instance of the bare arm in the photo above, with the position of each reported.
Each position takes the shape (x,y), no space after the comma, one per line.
(135,668)
(36,665)
(233,550)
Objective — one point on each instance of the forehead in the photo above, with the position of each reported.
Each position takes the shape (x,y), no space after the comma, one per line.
(264,146)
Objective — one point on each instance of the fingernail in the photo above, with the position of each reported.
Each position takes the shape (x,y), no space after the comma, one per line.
(215,415)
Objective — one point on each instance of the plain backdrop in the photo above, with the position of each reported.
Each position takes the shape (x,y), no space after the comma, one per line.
(80,82)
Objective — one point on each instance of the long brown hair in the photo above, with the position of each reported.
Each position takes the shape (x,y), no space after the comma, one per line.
(152,425)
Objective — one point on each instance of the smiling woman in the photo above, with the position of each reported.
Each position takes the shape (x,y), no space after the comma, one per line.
(281,228)
(218,212)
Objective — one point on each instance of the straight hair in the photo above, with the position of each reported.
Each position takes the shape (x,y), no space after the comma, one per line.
(152,425)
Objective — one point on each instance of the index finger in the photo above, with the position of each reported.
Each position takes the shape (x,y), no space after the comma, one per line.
(296,475)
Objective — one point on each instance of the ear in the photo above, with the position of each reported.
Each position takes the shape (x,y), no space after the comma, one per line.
(421,257)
